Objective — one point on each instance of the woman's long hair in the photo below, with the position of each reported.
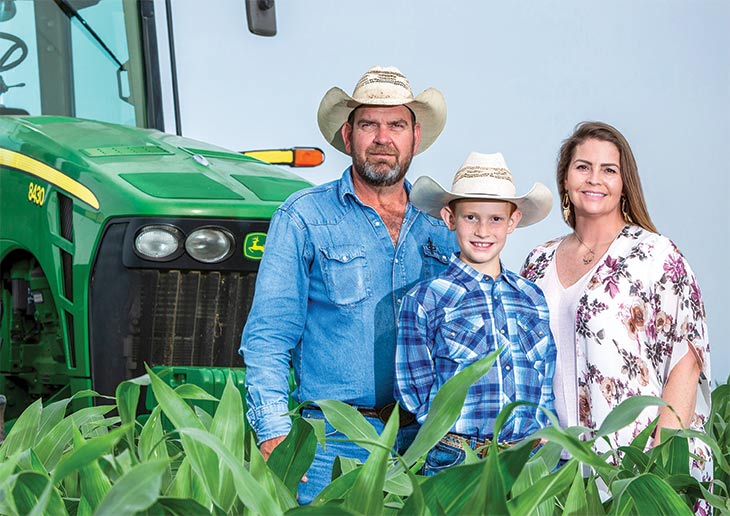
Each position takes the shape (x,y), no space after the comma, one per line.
(635,206)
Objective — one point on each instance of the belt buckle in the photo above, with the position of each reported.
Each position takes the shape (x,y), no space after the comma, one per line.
(405,418)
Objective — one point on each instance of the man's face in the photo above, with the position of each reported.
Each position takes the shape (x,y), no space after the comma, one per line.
(381,141)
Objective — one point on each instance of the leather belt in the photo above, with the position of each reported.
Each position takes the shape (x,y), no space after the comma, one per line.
(457,441)
(405,417)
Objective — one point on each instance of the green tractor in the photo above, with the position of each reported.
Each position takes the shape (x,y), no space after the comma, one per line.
(120,245)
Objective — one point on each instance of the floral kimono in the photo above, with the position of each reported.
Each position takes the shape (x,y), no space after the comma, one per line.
(639,314)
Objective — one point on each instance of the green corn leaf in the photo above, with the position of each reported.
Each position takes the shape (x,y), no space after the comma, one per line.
(719,503)
(416,501)
(513,460)
(127,397)
(265,478)
(576,503)
(190,391)
(50,447)
(449,490)
(532,472)
(34,490)
(399,485)
(674,453)
(176,507)
(634,457)
(366,496)
(151,445)
(648,494)
(337,489)
(7,484)
(136,490)
(87,452)
(205,418)
(52,415)
(24,432)
(444,410)
(350,422)
(175,408)
(248,490)
(93,417)
(186,484)
(581,450)
(292,458)
(228,426)
(94,484)
(555,484)
(626,413)
(490,497)
(204,462)
(593,497)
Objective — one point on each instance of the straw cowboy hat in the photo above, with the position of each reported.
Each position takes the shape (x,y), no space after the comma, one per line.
(382,86)
(482,176)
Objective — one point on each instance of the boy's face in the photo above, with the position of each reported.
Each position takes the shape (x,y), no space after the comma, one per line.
(481,231)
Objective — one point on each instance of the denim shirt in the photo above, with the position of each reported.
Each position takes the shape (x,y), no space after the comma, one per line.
(327,296)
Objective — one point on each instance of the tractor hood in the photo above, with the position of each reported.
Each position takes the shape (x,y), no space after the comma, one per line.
(118,170)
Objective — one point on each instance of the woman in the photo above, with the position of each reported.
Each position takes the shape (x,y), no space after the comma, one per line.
(625,308)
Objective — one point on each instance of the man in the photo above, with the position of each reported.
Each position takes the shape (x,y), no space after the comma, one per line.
(339,257)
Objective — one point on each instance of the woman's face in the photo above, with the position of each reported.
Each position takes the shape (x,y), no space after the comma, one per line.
(593,181)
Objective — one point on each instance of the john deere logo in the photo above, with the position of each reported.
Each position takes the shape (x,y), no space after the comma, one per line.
(253,246)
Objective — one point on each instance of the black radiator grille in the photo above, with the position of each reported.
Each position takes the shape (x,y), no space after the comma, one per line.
(190,318)
(164,313)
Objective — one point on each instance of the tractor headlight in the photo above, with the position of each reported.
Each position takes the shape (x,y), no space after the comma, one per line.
(209,245)
(158,242)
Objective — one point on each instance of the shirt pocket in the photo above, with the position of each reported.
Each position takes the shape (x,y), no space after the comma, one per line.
(346,274)
(529,354)
(532,332)
(435,259)
(464,339)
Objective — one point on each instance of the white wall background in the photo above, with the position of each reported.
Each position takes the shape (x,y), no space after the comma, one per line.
(517,77)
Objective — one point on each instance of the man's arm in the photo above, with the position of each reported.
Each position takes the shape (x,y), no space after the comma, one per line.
(274,328)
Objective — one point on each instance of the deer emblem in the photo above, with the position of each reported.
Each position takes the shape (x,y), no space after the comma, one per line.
(255,247)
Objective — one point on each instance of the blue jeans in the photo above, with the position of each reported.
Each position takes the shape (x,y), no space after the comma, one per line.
(444,455)
(320,472)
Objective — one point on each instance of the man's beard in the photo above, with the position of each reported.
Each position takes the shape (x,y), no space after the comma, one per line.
(370,174)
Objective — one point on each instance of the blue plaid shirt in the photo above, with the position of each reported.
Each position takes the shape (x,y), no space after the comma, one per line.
(460,316)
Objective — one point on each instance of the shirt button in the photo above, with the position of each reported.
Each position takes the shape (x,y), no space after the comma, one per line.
(443,257)
(396,260)
(453,334)
(344,257)
(540,333)
(507,367)
(377,224)
(502,331)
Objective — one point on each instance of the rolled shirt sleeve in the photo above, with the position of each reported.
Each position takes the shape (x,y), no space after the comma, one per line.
(275,325)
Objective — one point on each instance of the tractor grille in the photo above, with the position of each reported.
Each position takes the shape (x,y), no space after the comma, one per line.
(163,314)
(190,318)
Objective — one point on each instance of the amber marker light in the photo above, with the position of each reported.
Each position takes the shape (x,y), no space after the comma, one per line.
(295,157)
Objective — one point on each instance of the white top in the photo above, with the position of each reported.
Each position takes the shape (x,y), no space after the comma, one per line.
(563,303)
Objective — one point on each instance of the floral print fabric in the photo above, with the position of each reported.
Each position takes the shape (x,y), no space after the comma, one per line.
(640,313)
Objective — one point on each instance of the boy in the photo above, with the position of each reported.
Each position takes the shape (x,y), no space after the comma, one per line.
(474,307)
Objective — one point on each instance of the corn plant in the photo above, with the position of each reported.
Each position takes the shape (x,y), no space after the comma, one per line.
(182,460)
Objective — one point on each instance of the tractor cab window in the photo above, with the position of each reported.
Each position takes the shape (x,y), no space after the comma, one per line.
(71,58)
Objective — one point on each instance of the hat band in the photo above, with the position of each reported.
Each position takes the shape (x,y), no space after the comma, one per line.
(473,172)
